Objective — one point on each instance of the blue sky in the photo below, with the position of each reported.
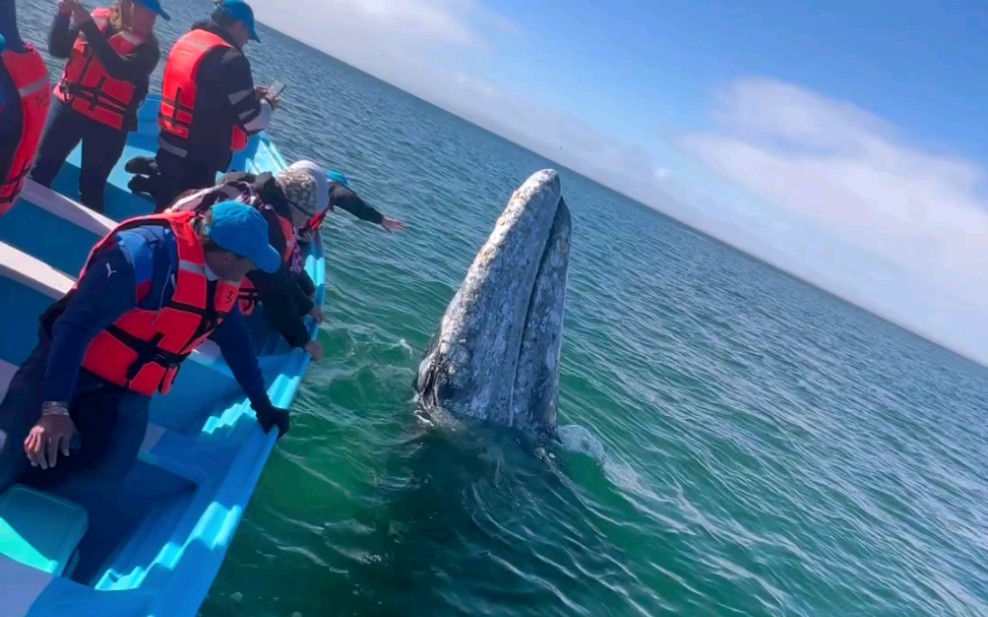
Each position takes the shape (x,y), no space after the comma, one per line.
(843,141)
(917,63)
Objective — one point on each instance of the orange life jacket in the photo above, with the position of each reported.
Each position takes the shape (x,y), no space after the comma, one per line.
(30,77)
(179,88)
(143,349)
(88,87)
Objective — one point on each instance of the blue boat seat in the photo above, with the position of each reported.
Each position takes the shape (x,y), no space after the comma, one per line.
(41,530)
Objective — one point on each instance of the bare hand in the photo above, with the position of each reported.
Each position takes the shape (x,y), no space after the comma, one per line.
(64,8)
(392,224)
(316,313)
(79,13)
(263,93)
(306,235)
(51,434)
(315,350)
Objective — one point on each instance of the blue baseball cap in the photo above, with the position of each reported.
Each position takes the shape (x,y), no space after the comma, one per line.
(336,176)
(155,6)
(241,229)
(242,12)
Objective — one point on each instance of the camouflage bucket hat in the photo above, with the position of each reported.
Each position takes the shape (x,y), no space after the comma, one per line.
(300,189)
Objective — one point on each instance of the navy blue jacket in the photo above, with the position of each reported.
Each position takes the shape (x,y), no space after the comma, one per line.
(137,270)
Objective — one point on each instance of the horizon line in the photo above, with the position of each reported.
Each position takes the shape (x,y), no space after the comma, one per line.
(981,363)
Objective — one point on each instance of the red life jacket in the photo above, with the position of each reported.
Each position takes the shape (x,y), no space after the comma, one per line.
(88,87)
(30,77)
(143,349)
(244,193)
(180,86)
(238,140)
(315,221)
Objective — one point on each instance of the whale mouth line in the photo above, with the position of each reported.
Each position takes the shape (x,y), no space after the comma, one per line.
(531,310)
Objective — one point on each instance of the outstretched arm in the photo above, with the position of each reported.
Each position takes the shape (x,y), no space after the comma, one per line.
(237,347)
(235,344)
(344,198)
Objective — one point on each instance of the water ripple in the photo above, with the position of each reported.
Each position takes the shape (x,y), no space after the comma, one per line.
(764,449)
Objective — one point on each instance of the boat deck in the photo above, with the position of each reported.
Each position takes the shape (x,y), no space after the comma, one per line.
(158,536)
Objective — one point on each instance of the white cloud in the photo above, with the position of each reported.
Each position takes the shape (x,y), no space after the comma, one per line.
(369,30)
(430,47)
(917,221)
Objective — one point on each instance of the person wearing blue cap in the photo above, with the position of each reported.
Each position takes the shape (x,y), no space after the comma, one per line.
(209,106)
(151,291)
(111,53)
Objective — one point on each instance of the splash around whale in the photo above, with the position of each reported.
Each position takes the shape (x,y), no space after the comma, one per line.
(495,355)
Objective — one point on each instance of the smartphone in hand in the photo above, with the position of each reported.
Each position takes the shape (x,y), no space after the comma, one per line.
(275,90)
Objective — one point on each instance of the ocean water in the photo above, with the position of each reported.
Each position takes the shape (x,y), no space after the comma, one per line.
(749,446)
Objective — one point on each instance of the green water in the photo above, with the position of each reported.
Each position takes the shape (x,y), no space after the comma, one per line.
(756,447)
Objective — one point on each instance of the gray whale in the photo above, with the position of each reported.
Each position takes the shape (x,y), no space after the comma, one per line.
(495,355)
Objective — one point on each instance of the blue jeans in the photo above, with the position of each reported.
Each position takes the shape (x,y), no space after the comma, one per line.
(102,147)
(110,424)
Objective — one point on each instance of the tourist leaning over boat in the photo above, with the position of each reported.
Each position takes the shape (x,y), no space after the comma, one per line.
(111,54)
(151,292)
(343,197)
(25,95)
(286,201)
(209,106)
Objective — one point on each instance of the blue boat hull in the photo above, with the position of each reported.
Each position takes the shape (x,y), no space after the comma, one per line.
(156,539)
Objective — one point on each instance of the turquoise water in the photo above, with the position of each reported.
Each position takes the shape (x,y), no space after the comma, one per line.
(756,447)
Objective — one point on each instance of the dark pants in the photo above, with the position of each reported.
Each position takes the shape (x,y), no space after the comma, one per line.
(178,175)
(102,147)
(111,423)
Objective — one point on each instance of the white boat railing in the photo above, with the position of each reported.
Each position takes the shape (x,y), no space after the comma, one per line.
(64,208)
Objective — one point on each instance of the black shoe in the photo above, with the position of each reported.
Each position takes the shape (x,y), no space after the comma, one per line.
(142,184)
(142,165)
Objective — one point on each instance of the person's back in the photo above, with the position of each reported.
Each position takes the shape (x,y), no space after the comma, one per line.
(152,290)
(208,57)
(284,200)
(25,96)
(209,104)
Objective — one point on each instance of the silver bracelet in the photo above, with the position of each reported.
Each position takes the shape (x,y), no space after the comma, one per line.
(54,408)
